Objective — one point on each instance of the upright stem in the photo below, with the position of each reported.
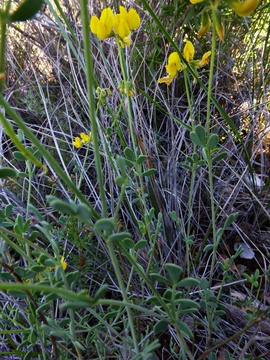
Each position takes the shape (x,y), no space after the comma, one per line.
(192,176)
(92,115)
(209,161)
(212,63)
(125,78)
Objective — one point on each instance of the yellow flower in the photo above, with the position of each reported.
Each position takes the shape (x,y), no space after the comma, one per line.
(205,24)
(124,22)
(243,8)
(205,59)
(166,80)
(175,65)
(85,138)
(77,142)
(103,27)
(121,27)
(82,140)
(195,1)
(126,88)
(189,51)
(63,263)
(131,17)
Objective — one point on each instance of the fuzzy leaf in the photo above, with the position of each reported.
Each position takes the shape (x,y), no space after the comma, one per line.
(161,326)
(26,10)
(174,272)
(6,172)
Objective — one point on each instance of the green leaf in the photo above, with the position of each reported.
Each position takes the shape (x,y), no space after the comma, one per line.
(141,159)
(198,136)
(188,282)
(120,236)
(230,220)
(105,224)
(8,210)
(168,295)
(208,247)
(17,293)
(188,304)
(63,207)
(48,263)
(120,180)
(38,269)
(194,138)
(100,292)
(161,326)
(6,276)
(26,10)
(149,172)
(6,172)
(140,244)
(84,212)
(22,174)
(72,277)
(212,141)
(20,271)
(19,156)
(174,272)
(161,279)
(184,328)
(220,156)
(128,243)
(130,155)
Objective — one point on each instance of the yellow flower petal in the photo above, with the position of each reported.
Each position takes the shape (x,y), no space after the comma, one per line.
(102,31)
(189,51)
(122,29)
(126,41)
(123,12)
(243,8)
(166,80)
(102,27)
(107,18)
(205,59)
(174,64)
(85,138)
(94,24)
(77,142)
(134,20)
(195,1)
(63,263)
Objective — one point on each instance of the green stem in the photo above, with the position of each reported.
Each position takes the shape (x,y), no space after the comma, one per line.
(3,29)
(192,181)
(92,115)
(211,74)
(130,113)
(209,161)
(124,294)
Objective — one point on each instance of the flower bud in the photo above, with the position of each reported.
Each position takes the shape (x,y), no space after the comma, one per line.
(243,8)
(205,24)
(219,26)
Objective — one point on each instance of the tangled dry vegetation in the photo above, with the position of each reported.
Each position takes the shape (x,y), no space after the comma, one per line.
(46,84)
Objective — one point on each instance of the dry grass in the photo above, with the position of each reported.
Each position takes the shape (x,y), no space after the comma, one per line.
(46,84)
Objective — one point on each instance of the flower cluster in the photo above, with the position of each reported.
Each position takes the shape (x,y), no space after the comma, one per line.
(241,8)
(82,140)
(174,63)
(115,25)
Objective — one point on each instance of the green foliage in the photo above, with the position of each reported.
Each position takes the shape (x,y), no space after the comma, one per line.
(26,10)
(124,247)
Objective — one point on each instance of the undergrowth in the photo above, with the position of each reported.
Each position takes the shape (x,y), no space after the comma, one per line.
(134,213)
